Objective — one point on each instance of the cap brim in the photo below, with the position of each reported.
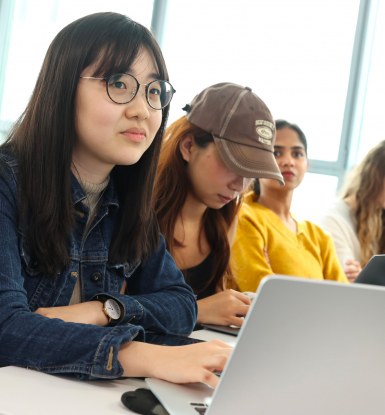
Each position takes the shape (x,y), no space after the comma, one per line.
(248,161)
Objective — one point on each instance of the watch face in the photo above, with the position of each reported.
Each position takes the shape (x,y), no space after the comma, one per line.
(112,309)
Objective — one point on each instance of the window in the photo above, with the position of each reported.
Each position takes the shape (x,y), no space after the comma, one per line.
(32,30)
(295,55)
(373,113)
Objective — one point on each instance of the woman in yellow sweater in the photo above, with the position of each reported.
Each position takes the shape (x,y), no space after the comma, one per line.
(269,239)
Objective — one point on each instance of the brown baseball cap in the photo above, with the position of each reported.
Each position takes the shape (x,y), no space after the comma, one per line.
(242,126)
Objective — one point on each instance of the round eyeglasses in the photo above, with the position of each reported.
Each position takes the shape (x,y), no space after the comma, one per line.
(123,87)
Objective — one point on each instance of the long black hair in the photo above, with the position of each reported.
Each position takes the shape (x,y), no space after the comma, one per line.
(43,139)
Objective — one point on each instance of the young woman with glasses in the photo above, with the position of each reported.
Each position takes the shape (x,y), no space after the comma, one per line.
(86,285)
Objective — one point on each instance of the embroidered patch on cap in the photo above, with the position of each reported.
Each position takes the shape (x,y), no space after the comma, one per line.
(264,130)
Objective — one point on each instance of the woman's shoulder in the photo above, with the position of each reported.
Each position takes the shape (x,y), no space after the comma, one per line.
(8,177)
(253,215)
(338,210)
(313,229)
(8,164)
(338,216)
(251,206)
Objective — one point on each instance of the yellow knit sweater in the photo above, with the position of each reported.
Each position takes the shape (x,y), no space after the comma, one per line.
(264,245)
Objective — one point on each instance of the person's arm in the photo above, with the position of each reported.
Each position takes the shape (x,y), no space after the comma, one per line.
(51,345)
(343,236)
(179,364)
(157,299)
(351,268)
(90,312)
(332,269)
(28,339)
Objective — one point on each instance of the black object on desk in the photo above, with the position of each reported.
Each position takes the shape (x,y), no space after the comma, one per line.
(373,272)
(143,401)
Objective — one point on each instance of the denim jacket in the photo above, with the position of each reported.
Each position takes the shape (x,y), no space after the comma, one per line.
(157,301)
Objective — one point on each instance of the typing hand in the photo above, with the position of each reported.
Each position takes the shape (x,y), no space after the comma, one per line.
(226,308)
(197,362)
(351,268)
(90,312)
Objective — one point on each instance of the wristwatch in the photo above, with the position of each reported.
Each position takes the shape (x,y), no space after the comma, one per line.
(111,308)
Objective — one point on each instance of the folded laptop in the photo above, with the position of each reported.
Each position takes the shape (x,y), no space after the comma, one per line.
(373,272)
(306,347)
(233,330)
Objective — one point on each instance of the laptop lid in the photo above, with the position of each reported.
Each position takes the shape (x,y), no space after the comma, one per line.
(306,347)
(373,272)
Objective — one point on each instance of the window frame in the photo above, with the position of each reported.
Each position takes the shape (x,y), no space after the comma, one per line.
(355,98)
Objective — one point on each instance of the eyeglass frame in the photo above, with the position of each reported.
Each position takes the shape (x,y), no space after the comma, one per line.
(138,85)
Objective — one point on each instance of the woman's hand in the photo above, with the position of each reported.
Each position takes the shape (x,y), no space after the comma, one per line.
(351,268)
(226,307)
(90,312)
(178,364)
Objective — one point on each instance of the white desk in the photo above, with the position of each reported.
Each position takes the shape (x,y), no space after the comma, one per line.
(28,392)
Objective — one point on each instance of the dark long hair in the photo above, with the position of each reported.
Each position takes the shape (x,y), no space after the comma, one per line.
(43,139)
(171,189)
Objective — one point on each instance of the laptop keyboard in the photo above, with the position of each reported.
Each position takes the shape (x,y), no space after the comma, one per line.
(201,408)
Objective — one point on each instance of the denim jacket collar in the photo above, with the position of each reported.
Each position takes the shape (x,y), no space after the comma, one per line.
(110,195)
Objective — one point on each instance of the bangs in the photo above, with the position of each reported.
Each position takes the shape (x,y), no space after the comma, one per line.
(119,53)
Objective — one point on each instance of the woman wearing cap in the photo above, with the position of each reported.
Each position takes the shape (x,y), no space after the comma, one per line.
(206,160)
(269,239)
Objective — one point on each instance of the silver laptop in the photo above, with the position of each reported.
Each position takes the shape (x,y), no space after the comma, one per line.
(306,347)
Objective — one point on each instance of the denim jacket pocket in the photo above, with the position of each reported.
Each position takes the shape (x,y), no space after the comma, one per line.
(42,290)
(118,274)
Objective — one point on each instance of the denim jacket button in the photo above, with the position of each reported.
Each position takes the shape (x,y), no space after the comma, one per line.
(96,276)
